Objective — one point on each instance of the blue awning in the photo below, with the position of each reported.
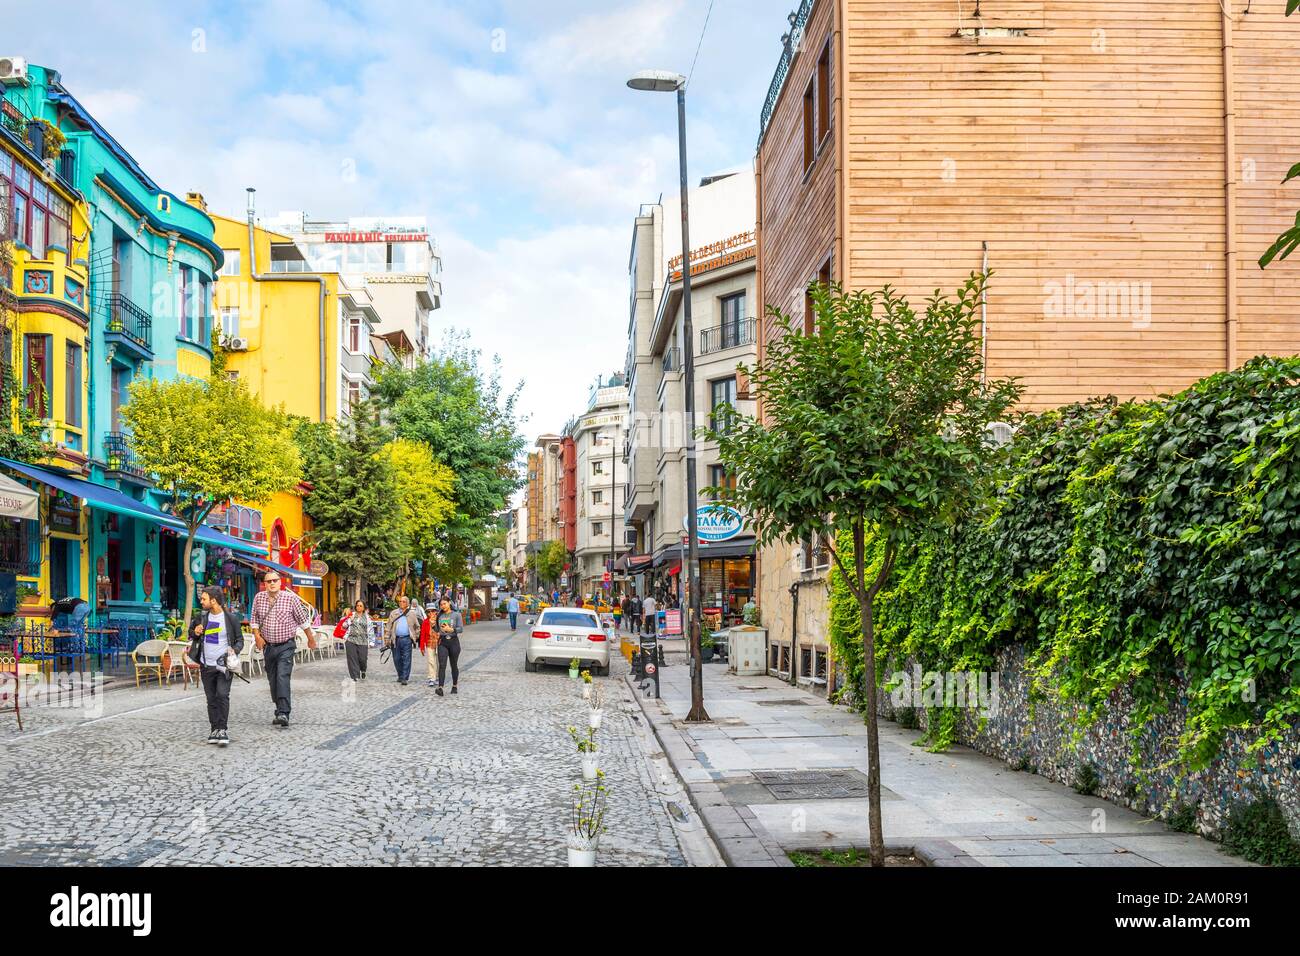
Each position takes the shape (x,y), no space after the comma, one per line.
(300,578)
(110,499)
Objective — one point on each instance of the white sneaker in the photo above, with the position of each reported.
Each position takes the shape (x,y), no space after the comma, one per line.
(212,737)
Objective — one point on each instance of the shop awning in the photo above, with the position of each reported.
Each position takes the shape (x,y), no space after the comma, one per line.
(110,499)
(631,562)
(18,501)
(299,578)
(739,548)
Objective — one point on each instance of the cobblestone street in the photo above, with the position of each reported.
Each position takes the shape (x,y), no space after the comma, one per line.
(368,774)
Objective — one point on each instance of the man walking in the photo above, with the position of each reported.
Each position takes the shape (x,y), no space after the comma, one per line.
(277,615)
(403,632)
(648,610)
(221,638)
(634,612)
(512,608)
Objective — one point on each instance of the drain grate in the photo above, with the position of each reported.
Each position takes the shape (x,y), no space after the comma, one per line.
(813,784)
(785,702)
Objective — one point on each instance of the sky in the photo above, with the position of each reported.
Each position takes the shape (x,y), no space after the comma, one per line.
(507,124)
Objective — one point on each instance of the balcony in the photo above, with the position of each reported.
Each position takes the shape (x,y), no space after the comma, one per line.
(120,460)
(673,360)
(129,327)
(728,336)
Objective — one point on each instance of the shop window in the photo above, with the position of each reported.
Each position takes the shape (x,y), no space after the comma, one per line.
(805,661)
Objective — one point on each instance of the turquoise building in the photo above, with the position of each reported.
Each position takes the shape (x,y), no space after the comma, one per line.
(152,268)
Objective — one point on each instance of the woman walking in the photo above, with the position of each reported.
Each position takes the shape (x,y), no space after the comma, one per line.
(215,643)
(357,645)
(447,629)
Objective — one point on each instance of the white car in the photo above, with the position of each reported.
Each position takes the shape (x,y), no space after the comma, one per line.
(562,633)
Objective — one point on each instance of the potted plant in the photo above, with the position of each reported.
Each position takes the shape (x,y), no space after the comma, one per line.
(587,820)
(573,668)
(586,685)
(597,711)
(587,751)
(706,644)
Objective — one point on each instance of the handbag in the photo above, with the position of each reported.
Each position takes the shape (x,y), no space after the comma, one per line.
(341,628)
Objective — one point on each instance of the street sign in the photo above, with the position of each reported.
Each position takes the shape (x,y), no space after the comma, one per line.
(649,668)
(606,577)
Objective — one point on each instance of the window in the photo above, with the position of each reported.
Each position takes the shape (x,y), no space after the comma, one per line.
(40,217)
(824,93)
(183,302)
(231,266)
(809,143)
(72,387)
(37,371)
(809,312)
(733,315)
(816,551)
(597,497)
(119,379)
(597,467)
(718,478)
(202,310)
(722,392)
(597,528)
(230,323)
(352,324)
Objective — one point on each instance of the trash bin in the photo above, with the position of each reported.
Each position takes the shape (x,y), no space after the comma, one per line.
(747,650)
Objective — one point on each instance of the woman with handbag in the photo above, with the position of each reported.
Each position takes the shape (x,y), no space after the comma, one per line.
(356,629)
(215,642)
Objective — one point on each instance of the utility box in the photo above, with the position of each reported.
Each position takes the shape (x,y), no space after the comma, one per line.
(747,653)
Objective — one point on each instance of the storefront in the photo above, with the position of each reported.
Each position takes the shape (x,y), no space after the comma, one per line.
(726,577)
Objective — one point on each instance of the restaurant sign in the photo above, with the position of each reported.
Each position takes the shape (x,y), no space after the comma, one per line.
(376,237)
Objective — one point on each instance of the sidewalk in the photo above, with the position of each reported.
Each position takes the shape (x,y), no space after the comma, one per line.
(958,808)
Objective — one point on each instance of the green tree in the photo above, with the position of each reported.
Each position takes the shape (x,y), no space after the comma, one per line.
(424,488)
(207,442)
(471,426)
(356,511)
(549,561)
(876,421)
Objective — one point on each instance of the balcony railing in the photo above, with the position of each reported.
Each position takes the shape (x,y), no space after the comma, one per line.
(20,547)
(790,43)
(119,458)
(130,321)
(727,336)
(673,360)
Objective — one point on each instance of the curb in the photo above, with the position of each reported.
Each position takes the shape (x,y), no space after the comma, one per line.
(739,837)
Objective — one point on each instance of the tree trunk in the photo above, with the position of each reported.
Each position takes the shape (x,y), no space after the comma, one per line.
(866,604)
(189,580)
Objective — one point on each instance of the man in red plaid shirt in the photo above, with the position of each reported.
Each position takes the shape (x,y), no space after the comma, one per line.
(277,615)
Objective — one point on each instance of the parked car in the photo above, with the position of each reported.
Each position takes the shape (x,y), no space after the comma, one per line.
(563,633)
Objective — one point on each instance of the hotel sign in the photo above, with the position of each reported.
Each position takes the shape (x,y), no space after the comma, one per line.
(721,253)
(376,237)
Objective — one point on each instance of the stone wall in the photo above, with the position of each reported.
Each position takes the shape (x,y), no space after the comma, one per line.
(1041,741)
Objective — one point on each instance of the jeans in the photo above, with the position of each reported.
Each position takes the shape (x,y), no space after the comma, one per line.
(356,655)
(278,661)
(514,618)
(216,686)
(448,647)
(402,657)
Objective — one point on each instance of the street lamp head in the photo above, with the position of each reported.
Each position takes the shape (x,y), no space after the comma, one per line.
(657,81)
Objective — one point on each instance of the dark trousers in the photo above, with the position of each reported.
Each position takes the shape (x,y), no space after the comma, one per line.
(278,661)
(216,686)
(636,623)
(514,618)
(402,657)
(356,654)
(448,647)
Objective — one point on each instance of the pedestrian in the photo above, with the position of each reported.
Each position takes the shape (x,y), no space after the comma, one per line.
(402,633)
(634,609)
(648,609)
(221,638)
(446,639)
(512,608)
(618,617)
(277,616)
(357,645)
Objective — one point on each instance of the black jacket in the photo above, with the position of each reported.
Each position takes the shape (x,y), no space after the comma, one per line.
(234,634)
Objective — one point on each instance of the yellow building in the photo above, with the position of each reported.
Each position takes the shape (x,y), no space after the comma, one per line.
(45,341)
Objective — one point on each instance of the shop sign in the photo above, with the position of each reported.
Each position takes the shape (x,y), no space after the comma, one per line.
(320,568)
(146,578)
(376,237)
(717,522)
(673,621)
(65,515)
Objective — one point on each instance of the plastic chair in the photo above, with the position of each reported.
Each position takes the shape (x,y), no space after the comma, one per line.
(177,659)
(147,658)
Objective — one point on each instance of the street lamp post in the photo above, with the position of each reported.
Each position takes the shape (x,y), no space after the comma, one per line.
(659,81)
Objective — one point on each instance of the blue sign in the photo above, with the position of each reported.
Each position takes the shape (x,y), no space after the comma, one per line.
(718,522)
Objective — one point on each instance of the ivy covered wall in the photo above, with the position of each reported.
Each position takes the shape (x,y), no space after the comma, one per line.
(1135,575)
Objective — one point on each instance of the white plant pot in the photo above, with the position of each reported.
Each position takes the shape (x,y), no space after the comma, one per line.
(582,857)
(586,692)
(590,764)
(573,673)
(593,719)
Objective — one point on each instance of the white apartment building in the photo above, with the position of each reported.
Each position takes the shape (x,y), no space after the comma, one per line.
(723,306)
(392,257)
(601,483)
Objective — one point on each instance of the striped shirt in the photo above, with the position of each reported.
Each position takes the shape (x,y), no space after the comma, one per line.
(277,623)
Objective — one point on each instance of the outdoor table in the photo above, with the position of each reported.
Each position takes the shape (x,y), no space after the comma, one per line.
(49,643)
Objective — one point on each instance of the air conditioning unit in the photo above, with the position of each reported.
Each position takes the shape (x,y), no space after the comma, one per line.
(13,71)
(238,345)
